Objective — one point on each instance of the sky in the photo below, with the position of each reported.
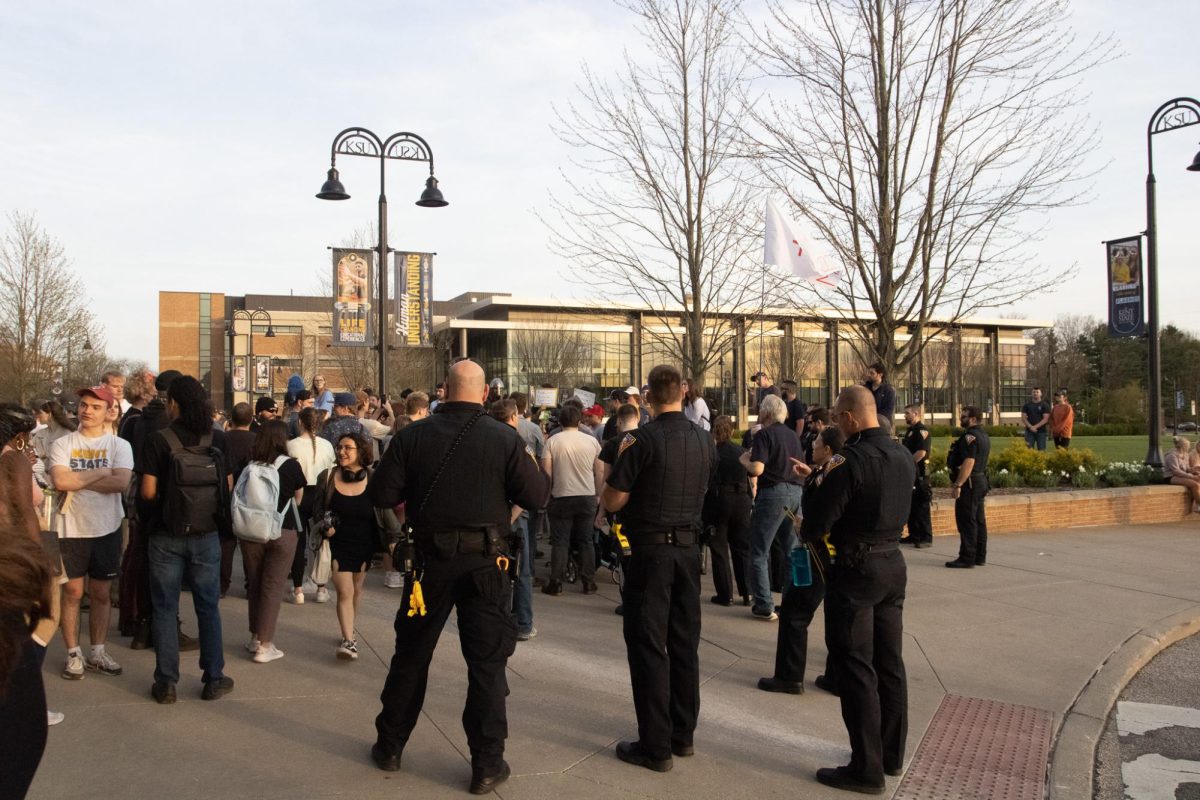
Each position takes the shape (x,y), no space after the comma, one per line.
(178,146)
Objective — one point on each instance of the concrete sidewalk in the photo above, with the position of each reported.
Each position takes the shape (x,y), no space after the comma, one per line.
(1031,628)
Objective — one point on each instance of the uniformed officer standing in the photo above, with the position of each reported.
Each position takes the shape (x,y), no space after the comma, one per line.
(967,461)
(863,503)
(458,472)
(916,441)
(657,488)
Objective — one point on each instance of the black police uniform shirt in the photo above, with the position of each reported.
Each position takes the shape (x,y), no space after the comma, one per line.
(158,463)
(491,469)
(666,466)
(866,494)
(730,472)
(916,438)
(1035,411)
(609,448)
(974,443)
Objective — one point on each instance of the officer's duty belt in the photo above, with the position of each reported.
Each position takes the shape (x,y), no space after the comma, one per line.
(486,541)
(882,547)
(680,537)
(733,488)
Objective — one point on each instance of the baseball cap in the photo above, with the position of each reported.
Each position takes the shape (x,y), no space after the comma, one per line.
(617,394)
(98,392)
(346,399)
(595,411)
(265,404)
(633,390)
(165,379)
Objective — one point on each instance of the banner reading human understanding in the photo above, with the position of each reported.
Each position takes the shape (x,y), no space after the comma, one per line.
(414,299)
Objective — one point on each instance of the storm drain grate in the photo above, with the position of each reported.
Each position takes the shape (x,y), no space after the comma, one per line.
(980,750)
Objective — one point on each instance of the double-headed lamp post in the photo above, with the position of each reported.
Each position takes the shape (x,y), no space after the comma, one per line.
(401,146)
(252,316)
(1181,112)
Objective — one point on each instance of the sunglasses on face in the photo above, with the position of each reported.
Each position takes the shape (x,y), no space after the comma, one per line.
(346,448)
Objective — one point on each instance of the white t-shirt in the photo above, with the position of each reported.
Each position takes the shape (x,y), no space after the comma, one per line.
(91,514)
(301,449)
(572,457)
(697,412)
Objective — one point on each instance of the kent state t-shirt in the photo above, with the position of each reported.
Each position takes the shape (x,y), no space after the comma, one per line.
(91,514)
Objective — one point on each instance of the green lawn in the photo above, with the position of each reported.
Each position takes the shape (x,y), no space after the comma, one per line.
(1108,448)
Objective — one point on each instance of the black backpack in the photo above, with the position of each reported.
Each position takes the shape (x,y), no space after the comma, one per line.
(197,497)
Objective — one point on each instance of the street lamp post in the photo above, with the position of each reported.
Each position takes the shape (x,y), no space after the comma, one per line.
(1181,112)
(401,146)
(252,317)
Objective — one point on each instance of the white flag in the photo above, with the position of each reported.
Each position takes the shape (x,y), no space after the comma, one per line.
(786,247)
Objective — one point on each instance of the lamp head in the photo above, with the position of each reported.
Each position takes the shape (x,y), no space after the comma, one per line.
(1195,165)
(87,342)
(332,189)
(432,196)
(270,331)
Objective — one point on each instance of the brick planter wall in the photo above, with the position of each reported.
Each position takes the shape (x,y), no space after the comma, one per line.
(1072,509)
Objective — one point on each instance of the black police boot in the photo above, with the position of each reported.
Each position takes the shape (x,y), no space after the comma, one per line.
(632,753)
(552,588)
(843,778)
(958,563)
(908,540)
(384,758)
(824,682)
(141,635)
(482,784)
(720,601)
(783,687)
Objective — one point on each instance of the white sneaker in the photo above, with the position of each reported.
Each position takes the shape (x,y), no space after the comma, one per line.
(298,596)
(54,717)
(309,587)
(267,654)
(253,645)
(348,650)
(393,580)
(322,595)
(73,669)
(103,663)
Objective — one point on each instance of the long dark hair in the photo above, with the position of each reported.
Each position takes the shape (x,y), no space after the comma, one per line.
(26,596)
(270,443)
(310,423)
(58,414)
(189,395)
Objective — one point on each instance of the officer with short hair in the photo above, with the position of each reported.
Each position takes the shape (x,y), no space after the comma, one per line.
(916,441)
(657,487)
(967,460)
(863,503)
(459,472)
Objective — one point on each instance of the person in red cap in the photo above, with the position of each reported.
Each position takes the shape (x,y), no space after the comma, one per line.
(92,466)
(593,421)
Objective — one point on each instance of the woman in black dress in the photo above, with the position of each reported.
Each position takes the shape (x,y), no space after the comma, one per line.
(343,512)
(729,510)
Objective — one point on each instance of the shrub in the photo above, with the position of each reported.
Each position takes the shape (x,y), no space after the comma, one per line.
(1021,460)
(1127,474)
(1084,479)
(1005,479)
(1070,461)
(937,461)
(939,479)
(1044,479)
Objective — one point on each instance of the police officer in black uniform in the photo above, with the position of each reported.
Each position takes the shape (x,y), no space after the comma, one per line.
(916,441)
(863,503)
(657,488)
(967,461)
(458,472)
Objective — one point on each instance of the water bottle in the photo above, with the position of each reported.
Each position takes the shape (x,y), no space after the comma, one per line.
(801,567)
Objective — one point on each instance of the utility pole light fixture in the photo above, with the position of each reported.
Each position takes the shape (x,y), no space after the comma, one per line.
(403,146)
(1182,112)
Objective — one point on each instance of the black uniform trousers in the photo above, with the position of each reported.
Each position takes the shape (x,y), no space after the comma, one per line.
(920,524)
(482,593)
(864,608)
(972,523)
(662,636)
(730,544)
(800,604)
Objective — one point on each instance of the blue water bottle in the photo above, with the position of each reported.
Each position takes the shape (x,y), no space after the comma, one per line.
(801,567)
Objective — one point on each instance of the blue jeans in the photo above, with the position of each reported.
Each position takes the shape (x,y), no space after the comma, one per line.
(523,596)
(1036,439)
(769,520)
(199,558)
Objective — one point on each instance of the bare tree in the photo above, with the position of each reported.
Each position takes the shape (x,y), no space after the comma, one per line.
(660,205)
(923,139)
(43,318)
(552,355)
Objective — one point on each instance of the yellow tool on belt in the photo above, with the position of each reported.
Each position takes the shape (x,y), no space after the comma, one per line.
(502,563)
(622,539)
(416,601)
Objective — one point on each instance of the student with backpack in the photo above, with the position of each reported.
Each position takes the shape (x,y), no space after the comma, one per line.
(186,485)
(265,518)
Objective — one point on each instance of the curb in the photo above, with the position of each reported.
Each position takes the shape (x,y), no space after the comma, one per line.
(1073,753)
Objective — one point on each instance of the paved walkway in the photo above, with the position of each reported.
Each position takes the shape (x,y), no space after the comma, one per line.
(1031,629)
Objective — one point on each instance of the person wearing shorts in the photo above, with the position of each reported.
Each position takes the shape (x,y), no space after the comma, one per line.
(90,468)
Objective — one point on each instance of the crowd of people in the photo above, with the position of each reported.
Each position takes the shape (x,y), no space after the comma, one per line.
(148,485)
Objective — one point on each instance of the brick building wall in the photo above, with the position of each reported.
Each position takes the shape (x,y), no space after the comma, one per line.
(1130,505)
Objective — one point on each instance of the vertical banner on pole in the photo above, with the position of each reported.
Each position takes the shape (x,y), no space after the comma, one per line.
(413,276)
(1126,311)
(262,373)
(352,274)
(239,373)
